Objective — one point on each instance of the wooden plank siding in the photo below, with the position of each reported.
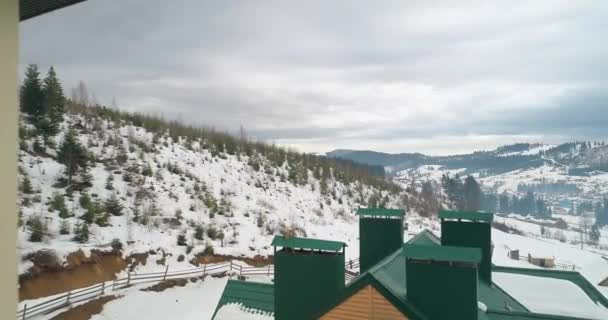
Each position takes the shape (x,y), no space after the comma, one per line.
(367,303)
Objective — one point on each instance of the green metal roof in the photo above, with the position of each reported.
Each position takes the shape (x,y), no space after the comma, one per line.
(32,8)
(442,253)
(378,212)
(467,215)
(389,277)
(307,243)
(425,238)
(255,295)
(390,274)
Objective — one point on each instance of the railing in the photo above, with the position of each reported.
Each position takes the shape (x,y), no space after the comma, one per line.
(97,290)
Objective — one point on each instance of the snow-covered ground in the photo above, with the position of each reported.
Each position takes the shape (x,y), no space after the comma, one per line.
(200,299)
(260,203)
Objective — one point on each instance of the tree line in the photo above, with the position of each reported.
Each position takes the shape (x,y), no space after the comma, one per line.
(468,196)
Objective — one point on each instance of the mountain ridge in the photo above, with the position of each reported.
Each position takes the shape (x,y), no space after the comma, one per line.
(581,157)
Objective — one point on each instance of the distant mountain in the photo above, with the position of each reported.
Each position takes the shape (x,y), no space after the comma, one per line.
(580,158)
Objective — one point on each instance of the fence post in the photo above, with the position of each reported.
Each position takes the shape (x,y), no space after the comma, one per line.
(128,278)
(230,265)
(240,271)
(67,301)
(103,288)
(268,271)
(204,269)
(114,285)
(24,311)
(166,270)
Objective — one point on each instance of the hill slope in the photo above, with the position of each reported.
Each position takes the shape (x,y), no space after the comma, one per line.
(151,188)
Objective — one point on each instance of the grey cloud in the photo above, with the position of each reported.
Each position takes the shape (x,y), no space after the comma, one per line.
(284,69)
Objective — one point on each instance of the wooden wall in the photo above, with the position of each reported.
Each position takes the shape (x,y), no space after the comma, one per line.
(367,303)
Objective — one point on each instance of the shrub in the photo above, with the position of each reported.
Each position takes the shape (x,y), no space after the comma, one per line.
(116,244)
(36,228)
(199,232)
(181,258)
(102,219)
(208,250)
(147,171)
(64,228)
(212,232)
(181,240)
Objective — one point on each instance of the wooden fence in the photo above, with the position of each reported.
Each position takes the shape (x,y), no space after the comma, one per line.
(95,291)
(549,263)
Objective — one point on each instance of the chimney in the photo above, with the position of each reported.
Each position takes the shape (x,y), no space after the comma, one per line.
(470,229)
(442,281)
(307,274)
(380,234)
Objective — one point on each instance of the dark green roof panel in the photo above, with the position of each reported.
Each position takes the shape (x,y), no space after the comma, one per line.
(307,243)
(442,253)
(378,212)
(467,215)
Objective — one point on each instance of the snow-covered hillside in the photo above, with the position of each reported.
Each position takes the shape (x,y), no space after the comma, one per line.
(593,186)
(215,201)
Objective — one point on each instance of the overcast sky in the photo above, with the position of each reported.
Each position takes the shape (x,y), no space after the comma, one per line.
(393,76)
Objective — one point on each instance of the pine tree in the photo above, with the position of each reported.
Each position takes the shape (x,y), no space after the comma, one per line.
(58,204)
(109,182)
(54,99)
(81,232)
(26,186)
(36,228)
(31,95)
(113,205)
(72,154)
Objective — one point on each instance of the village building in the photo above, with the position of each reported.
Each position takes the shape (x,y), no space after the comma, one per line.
(428,277)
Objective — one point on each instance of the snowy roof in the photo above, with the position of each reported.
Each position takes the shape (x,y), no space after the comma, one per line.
(378,212)
(249,295)
(467,215)
(237,311)
(307,243)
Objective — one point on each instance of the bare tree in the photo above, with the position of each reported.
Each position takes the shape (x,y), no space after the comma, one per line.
(80,94)
(242,133)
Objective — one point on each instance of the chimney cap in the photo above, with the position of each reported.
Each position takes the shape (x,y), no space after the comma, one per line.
(442,253)
(307,243)
(380,212)
(474,216)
